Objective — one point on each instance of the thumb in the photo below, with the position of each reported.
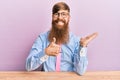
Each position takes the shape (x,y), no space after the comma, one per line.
(54,40)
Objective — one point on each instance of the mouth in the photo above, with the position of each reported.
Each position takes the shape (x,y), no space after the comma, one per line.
(60,23)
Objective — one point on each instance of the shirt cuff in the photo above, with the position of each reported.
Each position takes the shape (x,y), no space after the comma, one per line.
(83,52)
(44,58)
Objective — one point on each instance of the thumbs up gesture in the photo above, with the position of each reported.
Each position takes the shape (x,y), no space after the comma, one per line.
(53,49)
(84,41)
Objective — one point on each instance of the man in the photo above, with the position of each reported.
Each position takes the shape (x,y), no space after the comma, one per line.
(59,49)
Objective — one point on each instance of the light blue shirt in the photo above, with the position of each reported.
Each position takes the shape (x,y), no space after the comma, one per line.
(73,56)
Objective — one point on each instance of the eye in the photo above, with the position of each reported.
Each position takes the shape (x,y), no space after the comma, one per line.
(56,14)
(64,14)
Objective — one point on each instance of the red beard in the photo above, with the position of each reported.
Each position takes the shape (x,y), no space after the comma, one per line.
(61,33)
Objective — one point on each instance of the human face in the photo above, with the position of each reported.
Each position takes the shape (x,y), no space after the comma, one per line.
(61,18)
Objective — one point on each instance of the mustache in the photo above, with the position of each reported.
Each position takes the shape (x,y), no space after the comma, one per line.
(59,20)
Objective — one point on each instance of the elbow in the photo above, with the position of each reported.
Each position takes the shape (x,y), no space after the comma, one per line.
(28,69)
(80,73)
(28,66)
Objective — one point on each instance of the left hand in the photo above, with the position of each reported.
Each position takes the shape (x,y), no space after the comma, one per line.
(84,41)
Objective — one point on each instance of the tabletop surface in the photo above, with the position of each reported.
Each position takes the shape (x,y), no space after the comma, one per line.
(38,75)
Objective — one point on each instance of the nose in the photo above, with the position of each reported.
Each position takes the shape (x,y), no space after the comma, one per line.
(60,16)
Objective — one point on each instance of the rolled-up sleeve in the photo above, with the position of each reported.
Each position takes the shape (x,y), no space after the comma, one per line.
(80,59)
(36,56)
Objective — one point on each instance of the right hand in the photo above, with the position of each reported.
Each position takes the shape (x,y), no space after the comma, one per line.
(53,49)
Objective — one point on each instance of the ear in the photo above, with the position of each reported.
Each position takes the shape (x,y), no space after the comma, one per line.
(69,17)
(52,15)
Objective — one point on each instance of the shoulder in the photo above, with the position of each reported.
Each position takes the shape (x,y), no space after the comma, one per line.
(73,37)
(43,35)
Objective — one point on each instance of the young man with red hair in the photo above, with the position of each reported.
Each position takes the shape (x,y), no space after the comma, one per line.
(59,49)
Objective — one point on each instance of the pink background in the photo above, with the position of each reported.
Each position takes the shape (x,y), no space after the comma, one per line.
(21,21)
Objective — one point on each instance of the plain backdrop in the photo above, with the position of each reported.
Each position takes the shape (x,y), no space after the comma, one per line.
(21,21)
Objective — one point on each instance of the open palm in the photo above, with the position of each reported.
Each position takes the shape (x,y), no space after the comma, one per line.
(84,41)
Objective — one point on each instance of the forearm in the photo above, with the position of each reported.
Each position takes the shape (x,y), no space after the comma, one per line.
(35,60)
(80,61)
